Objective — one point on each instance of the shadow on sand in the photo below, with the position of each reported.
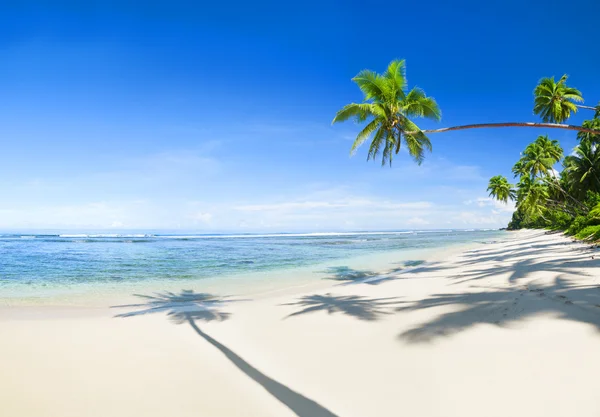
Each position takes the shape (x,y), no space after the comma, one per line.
(356,276)
(521,298)
(189,307)
(362,308)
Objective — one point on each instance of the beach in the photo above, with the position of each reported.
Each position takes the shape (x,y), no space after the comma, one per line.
(507,327)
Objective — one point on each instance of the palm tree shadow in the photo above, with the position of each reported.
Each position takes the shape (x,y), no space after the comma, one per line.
(362,308)
(355,276)
(190,307)
(505,306)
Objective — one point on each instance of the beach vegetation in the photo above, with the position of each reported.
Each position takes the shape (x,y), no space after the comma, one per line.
(566,201)
(591,233)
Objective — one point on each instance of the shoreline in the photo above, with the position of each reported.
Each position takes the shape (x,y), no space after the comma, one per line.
(518,318)
(258,284)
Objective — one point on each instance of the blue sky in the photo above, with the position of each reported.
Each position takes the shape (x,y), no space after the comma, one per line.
(217,117)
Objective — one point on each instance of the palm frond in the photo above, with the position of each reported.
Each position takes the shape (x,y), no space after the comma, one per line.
(371,84)
(375,147)
(365,134)
(396,76)
(360,111)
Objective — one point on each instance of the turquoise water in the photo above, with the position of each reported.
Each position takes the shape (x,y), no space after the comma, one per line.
(29,262)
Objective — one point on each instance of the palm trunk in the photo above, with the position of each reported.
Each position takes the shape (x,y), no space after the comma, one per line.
(581,106)
(298,403)
(512,124)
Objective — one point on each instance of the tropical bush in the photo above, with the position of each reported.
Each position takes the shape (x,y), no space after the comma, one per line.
(557,220)
(577,225)
(589,233)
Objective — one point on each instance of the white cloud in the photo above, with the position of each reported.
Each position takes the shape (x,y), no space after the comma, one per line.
(417,221)
(336,204)
(478,219)
(100,214)
(201,217)
(499,206)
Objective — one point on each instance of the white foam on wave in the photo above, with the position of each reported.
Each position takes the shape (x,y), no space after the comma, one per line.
(108,236)
(319,234)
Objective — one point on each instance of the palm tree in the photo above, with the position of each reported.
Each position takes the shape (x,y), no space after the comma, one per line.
(583,168)
(387,108)
(189,307)
(511,124)
(537,162)
(539,157)
(591,124)
(554,101)
(532,196)
(519,168)
(550,148)
(501,189)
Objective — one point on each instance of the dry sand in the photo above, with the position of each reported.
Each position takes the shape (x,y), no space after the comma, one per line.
(508,328)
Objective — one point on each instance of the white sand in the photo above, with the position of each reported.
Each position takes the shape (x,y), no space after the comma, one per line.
(510,328)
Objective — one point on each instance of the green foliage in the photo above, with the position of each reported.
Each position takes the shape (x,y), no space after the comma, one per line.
(590,124)
(554,101)
(594,216)
(589,233)
(516,222)
(538,158)
(387,108)
(583,169)
(557,220)
(522,220)
(592,199)
(532,195)
(577,225)
(569,201)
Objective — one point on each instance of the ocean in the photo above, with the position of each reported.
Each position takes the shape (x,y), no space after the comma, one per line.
(44,265)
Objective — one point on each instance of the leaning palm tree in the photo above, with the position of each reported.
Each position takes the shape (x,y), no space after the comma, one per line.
(555,101)
(501,189)
(387,108)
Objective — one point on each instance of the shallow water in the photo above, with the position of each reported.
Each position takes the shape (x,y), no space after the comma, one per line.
(46,264)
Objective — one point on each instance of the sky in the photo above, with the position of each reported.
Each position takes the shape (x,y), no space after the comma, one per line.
(216,117)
